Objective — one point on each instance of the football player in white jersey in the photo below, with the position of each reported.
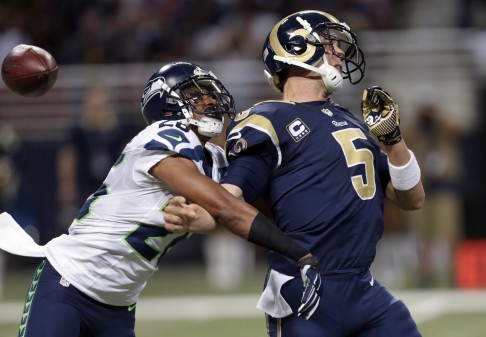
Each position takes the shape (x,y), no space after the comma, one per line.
(90,279)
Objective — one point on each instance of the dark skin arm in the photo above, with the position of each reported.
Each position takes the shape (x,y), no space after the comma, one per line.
(184,179)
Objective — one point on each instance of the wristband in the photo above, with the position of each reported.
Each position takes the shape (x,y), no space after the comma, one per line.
(264,233)
(405,177)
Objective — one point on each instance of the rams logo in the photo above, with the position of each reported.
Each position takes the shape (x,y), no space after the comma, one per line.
(240,146)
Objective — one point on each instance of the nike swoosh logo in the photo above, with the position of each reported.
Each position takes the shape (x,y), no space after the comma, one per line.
(131,307)
(372,281)
(178,138)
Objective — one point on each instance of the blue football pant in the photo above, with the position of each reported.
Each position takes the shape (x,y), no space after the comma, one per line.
(352,305)
(53,310)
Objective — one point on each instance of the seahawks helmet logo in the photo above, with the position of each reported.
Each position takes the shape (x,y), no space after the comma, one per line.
(153,88)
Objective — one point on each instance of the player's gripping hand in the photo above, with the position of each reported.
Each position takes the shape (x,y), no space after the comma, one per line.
(181,217)
(312,286)
(380,113)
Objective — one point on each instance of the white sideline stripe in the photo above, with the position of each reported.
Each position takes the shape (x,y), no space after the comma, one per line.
(423,304)
(198,307)
(426,305)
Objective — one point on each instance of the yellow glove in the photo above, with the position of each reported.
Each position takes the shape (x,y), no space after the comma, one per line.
(380,113)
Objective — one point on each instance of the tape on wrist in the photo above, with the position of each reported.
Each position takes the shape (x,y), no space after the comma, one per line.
(405,177)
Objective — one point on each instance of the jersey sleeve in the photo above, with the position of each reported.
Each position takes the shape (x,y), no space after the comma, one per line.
(158,144)
(253,152)
(250,173)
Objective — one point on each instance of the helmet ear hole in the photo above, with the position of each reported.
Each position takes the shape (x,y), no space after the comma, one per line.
(297,45)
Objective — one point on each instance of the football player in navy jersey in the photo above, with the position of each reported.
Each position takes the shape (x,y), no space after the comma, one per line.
(324,174)
(90,279)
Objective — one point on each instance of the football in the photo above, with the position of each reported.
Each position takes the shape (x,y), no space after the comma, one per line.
(29,71)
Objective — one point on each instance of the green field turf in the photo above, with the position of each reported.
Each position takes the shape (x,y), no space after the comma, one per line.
(167,308)
(457,325)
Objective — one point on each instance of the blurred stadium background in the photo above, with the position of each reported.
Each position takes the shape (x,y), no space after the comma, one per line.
(431,53)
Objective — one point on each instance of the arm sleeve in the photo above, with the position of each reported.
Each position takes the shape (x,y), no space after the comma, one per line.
(383,172)
(266,234)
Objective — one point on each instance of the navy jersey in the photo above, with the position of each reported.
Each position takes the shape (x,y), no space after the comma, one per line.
(322,174)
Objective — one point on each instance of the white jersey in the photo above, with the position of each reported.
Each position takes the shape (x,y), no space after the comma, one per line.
(118,236)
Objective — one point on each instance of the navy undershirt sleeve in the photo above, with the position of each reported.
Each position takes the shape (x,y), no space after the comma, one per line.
(384,172)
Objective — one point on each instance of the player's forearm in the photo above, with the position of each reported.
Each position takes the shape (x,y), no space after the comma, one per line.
(409,200)
(266,234)
(406,188)
(242,219)
(398,154)
(245,221)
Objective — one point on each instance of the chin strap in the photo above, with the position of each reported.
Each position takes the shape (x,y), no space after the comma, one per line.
(331,77)
(207,126)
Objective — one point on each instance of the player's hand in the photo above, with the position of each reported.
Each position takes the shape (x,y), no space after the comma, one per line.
(182,217)
(312,286)
(380,113)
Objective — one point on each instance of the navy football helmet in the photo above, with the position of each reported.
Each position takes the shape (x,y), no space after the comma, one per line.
(173,90)
(299,40)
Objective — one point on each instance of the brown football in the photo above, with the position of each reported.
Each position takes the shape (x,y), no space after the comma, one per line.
(29,71)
